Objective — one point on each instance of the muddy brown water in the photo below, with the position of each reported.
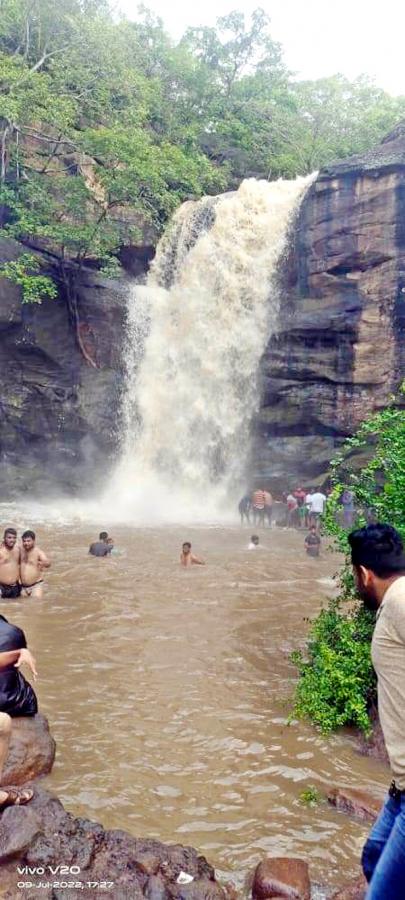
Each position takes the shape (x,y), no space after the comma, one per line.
(168,693)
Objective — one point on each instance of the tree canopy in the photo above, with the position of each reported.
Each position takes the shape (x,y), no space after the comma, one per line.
(107,124)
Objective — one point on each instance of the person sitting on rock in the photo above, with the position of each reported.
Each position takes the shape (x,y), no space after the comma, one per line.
(17,698)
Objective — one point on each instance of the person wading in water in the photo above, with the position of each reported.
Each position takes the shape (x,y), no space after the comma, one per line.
(378,561)
(102,547)
(33,563)
(187,558)
(312,542)
(10,586)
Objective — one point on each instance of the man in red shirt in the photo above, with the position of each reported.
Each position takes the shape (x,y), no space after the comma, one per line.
(258,505)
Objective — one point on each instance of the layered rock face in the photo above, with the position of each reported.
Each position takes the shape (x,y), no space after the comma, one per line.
(340,351)
(59,414)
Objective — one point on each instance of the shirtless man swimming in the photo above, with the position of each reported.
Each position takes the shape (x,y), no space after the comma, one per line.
(187,558)
(33,563)
(10,586)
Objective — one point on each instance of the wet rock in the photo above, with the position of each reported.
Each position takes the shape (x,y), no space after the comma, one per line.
(19,827)
(374,745)
(148,863)
(197,890)
(32,750)
(362,804)
(281,877)
(43,834)
(353,890)
(320,374)
(155,888)
(58,428)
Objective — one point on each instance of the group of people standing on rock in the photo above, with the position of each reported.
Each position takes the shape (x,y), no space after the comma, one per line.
(260,504)
(297,509)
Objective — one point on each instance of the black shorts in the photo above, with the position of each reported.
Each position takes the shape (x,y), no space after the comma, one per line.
(10,591)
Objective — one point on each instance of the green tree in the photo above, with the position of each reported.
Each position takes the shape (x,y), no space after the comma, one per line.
(106,125)
(335,118)
(337,684)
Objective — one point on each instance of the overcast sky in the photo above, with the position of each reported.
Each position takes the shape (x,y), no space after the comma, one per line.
(319,37)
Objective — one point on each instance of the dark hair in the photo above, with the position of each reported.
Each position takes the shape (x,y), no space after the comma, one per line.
(10,531)
(187,544)
(28,534)
(254,538)
(103,536)
(379,548)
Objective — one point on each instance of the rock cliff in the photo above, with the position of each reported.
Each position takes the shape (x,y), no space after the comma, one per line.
(59,415)
(339,352)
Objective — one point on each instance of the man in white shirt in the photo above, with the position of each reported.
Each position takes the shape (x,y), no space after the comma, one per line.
(378,561)
(318,501)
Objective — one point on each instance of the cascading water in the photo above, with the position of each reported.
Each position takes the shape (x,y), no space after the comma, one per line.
(196,334)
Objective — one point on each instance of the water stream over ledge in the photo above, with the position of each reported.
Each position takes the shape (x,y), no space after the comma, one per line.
(168,692)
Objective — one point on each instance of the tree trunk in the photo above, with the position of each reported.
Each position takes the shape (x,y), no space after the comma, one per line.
(69,278)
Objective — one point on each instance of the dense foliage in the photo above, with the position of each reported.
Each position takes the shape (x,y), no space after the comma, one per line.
(106,124)
(337,683)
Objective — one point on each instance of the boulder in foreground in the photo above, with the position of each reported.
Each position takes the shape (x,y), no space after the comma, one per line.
(362,804)
(43,836)
(281,877)
(32,750)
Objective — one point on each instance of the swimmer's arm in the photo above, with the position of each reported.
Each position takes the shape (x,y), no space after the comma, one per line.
(197,561)
(43,560)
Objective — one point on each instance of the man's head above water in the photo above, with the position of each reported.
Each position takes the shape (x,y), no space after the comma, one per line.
(10,538)
(186,547)
(378,558)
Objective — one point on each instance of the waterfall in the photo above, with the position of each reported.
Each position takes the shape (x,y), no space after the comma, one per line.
(196,335)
